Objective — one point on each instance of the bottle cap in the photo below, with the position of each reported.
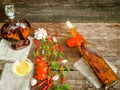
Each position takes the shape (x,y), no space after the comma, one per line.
(69,24)
(10,11)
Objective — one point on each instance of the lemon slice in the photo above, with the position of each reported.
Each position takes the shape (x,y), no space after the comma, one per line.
(22,67)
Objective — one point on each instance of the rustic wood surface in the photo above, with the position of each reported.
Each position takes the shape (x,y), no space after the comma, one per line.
(104,36)
(62,10)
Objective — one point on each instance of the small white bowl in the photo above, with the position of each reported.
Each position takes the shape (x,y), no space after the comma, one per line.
(16,63)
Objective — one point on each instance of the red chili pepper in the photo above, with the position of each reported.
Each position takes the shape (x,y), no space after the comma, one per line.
(37,43)
(63,79)
(61,67)
(49,63)
(37,50)
(58,59)
(50,84)
(61,48)
(56,34)
(48,70)
(40,57)
(49,39)
(50,79)
(52,56)
(41,83)
(45,88)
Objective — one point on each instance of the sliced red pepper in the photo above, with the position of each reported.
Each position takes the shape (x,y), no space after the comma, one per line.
(41,83)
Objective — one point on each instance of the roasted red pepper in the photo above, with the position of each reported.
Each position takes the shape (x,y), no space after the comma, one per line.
(71,42)
(41,70)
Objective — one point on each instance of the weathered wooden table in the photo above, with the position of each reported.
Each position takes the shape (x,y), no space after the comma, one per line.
(104,36)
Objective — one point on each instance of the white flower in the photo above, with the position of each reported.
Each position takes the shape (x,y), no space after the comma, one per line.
(40,33)
(33,82)
(55,78)
(64,61)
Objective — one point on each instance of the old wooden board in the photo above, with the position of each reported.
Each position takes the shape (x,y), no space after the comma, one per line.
(62,10)
(104,36)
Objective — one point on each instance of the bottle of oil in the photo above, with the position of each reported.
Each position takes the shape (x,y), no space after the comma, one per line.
(15,31)
(99,66)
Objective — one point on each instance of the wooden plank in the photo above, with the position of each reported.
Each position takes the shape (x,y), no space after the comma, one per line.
(60,11)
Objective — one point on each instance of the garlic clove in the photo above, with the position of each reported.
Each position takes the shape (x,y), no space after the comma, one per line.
(64,61)
(33,82)
(54,39)
(55,78)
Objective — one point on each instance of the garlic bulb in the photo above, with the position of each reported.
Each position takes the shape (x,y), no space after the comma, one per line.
(40,33)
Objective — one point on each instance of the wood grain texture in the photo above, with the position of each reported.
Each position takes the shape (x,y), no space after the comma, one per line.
(62,10)
(104,36)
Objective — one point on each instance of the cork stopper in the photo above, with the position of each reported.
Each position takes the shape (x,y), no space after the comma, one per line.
(69,24)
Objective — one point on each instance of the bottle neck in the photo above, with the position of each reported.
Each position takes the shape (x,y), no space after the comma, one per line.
(10,12)
(78,37)
(73,32)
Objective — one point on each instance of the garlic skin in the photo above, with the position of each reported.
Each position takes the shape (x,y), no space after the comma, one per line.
(64,61)
(55,78)
(33,82)
(40,33)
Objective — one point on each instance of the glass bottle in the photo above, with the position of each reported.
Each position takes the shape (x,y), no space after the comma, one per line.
(99,66)
(15,31)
